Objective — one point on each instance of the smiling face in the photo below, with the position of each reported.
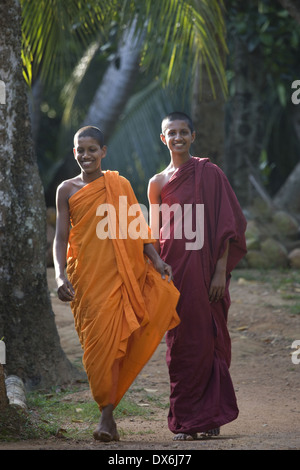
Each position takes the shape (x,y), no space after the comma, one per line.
(177,136)
(88,154)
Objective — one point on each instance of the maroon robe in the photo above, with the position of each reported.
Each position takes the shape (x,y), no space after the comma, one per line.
(199,349)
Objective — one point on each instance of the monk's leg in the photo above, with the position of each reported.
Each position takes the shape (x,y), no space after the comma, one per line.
(107,428)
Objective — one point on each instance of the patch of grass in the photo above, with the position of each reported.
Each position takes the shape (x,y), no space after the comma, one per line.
(158,401)
(294,309)
(259,275)
(278,276)
(290,296)
(56,413)
(285,282)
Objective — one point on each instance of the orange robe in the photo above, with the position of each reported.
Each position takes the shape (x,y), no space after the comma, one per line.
(122,306)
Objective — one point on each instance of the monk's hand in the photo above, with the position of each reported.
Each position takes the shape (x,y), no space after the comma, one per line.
(164,269)
(217,286)
(160,266)
(65,290)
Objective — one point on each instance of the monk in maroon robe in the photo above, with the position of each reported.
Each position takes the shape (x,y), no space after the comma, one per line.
(202,396)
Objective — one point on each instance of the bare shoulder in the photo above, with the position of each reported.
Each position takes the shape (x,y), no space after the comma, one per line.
(156,183)
(156,180)
(154,188)
(160,179)
(69,187)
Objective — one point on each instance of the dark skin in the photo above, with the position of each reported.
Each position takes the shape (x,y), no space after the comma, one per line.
(88,154)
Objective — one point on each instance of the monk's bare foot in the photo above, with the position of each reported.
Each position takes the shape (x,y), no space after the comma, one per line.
(106,430)
(184,437)
(101,434)
(105,436)
(211,433)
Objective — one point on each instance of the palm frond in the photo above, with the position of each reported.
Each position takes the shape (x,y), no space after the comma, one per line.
(184,33)
(55,33)
(179,33)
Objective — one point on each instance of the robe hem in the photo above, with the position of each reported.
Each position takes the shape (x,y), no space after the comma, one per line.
(206,427)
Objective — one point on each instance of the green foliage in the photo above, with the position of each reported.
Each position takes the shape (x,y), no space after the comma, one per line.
(55,34)
(269,31)
(265,26)
(185,32)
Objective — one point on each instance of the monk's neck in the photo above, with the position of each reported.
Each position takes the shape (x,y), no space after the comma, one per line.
(178,160)
(89,178)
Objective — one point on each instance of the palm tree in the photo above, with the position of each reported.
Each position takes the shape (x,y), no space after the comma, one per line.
(54,34)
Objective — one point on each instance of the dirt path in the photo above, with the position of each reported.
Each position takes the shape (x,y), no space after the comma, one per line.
(267,382)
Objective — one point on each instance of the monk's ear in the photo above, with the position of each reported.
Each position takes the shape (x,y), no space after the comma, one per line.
(193,136)
(74,152)
(104,151)
(163,139)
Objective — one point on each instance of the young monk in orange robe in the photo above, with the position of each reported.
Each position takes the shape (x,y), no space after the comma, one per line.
(122,307)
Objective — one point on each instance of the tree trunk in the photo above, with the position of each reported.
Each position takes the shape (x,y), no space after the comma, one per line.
(33,350)
(246,121)
(108,103)
(115,88)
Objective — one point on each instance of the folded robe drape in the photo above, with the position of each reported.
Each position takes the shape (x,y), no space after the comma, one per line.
(122,306)
(199,350)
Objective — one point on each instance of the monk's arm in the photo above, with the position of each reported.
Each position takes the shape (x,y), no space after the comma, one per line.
(218,282)
(154,202)
(64,287)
